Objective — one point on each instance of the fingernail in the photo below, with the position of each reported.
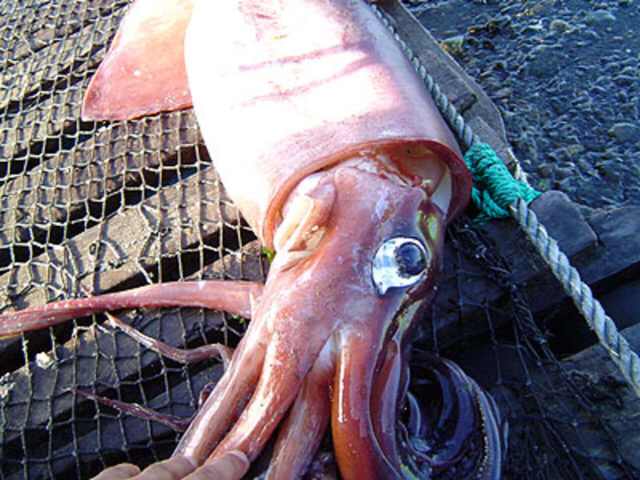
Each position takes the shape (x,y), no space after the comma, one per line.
(191,460)
(118,472)
(240,457)
(127,469)
(232,464)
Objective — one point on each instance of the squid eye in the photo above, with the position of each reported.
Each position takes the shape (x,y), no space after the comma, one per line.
(399,262)
(411,259)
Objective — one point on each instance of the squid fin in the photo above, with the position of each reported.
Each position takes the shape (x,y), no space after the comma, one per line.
(143,72)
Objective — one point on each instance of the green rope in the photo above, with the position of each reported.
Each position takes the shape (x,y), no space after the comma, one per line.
(494,188)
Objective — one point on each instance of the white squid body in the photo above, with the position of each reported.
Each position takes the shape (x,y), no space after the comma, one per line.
(282,89)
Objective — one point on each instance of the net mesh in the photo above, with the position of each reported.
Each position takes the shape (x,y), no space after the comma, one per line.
(95,207)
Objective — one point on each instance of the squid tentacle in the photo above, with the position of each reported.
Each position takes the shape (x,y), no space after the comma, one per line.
(227,401)
(179,424)
(180,355)
(415,425)
(385,400)
(234,297)
(302,432)
(391,389)
(358,452)
(287,363)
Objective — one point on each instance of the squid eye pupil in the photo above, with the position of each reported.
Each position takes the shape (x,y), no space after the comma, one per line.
(399,262)
(410,259)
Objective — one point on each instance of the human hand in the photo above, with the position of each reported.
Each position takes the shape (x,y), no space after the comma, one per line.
(231,466)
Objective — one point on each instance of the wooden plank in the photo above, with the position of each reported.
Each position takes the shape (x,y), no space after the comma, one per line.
(466,286)
(41,124)
(43,84)
(606,254)
(614,403)
(39,398)
(51,67)
(31,25)
(583,400)
(126,250)
(121,251)
(616,256)
(65,186)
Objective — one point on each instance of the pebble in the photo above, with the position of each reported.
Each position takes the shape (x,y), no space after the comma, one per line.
(624,80)
(502,93)
(575,150)
(544,62)
(545,170)
(598,17)
(584,165)
(560,26)
(625,132)
(454,45)
(563,172)
(609,169)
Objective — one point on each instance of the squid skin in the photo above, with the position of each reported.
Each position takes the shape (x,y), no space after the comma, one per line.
(329,144)
(120,88)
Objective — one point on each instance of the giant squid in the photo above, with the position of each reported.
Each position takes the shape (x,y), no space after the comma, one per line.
(327,141)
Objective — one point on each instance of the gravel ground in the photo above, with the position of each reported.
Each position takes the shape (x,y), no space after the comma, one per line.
(566,77)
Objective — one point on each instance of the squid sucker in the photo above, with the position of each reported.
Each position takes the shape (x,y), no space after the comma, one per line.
(329,144)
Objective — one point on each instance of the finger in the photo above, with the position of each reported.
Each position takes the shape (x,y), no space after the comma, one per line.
(176,468)
(119,472)
(231,466)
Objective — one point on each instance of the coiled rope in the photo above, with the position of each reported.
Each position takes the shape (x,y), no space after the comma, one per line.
(499,196)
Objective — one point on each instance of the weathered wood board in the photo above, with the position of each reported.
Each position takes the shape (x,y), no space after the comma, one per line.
(106,362)
(617,406)
(595,416)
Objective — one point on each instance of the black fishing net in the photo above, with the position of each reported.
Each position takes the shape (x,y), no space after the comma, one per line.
(94,207)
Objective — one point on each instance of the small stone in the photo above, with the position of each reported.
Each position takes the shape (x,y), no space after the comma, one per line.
(575,150)
(560,26)
(502,93)
(544,62)
(563,172)
(584,165)
(44,360)
(624,80)
(630,71)
(557,105)
(454,45)
(598,17)
(545,170)
(609,169)
(625,132)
